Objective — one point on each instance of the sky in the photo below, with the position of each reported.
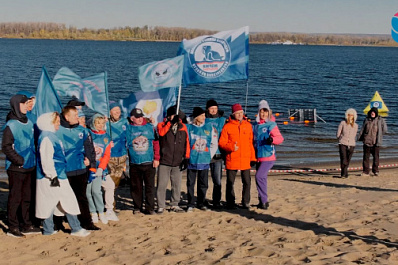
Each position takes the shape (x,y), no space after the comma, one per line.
(300,16)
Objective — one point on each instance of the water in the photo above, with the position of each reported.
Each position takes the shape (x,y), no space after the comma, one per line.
(328,78)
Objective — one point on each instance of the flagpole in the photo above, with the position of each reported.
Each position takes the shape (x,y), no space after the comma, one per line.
(247,92)
(107,104)
(178,100)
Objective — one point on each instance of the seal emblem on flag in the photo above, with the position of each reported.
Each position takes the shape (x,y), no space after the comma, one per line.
(211,57)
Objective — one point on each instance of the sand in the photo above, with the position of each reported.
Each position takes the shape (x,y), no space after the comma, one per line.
(313,218)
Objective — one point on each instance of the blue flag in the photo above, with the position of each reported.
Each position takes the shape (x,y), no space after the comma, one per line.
(92,90)
(221,57)
(161,74)
(153,104)
(46,96)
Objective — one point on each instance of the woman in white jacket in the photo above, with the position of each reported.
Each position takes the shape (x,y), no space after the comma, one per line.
(53,192)
(346,134)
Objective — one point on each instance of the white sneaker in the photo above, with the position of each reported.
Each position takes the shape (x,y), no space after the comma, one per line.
(81,233)
(190,209)
(103,219)
(94,217)
(111,216)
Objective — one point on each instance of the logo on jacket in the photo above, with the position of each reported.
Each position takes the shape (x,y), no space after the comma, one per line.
(200,145)
(80,135)
(140,144)
(211,57)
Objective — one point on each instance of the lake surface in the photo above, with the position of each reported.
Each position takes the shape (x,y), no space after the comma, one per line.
(329,79)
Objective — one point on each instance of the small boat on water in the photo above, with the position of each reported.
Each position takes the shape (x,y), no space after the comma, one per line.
(377,102)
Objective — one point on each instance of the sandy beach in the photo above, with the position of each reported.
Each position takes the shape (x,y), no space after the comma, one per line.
(314,217)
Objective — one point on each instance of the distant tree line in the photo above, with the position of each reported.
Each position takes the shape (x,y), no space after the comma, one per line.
(45,30)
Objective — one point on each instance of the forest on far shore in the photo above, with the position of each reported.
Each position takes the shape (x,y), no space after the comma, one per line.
(48,30)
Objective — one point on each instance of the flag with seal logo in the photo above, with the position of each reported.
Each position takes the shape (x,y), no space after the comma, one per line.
(92,90)
(221,57)
(46,97)
(161,74)
(153,104)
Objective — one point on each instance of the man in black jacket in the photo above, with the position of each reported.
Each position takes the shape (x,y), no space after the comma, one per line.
(80,154)
(174,155)
(19,148)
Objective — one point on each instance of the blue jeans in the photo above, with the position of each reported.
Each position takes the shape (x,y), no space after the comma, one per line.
(94,196)
(216,174)
(48,224)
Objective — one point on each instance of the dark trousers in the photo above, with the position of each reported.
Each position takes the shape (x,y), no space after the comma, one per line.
(203,184)
(79,186)
(230,193)
(19,197)
(345,158)
(216,174)
(367,150)
(141,175)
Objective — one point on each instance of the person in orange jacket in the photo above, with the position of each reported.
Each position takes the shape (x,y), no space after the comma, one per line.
(237,141)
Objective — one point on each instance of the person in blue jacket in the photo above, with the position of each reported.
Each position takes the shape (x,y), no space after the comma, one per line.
(214,116)
(19,148)
(117,130)
(266,135)
(202,141)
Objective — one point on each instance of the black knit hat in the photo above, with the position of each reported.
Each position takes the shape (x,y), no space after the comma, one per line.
(211,103)
(171,111)
(197,111)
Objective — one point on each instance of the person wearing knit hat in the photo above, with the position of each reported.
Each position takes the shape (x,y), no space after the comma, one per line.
(266,136)
(214,116)
(237,141)
(174,155)
(203,147)
(371,134)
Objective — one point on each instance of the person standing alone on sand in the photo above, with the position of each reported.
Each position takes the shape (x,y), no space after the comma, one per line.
(346,133)
(266,136)
(371,134)
(237,141)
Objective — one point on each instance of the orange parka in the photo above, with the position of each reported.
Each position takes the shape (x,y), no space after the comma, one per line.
(240,133)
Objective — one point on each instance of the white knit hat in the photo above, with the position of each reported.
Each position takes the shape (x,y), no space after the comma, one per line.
(263,105)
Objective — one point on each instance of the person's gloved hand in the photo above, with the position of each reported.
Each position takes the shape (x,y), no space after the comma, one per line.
(54,182)
(91,177)
(268,141)
(175,119)
(99,172)
(184,164)
(253,163)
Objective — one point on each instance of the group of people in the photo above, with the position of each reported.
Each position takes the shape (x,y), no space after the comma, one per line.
(371,134)
(57,166)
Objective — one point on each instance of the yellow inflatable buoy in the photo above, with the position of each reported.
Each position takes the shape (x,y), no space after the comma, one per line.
(377,102)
